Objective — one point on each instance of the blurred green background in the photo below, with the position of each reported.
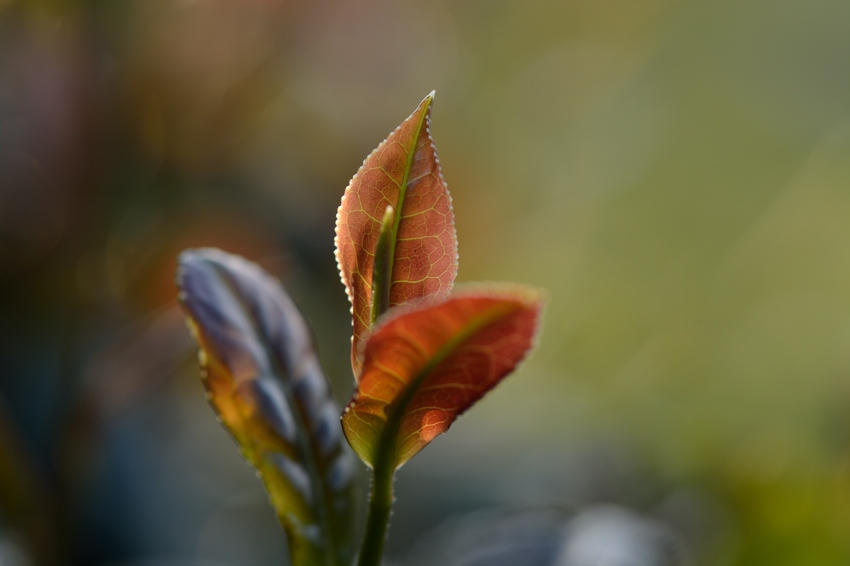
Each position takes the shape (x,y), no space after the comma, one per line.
(676,174)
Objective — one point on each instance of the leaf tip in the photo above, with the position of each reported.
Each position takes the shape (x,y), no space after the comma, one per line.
(428,101)
(389,215)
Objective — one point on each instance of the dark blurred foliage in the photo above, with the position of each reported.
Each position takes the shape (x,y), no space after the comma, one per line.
(674,173)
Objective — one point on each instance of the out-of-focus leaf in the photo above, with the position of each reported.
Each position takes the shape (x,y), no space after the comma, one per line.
(494,537)
(608,534)
(602,534)
(25,503)
(263,379)
(404,173)
(424,366)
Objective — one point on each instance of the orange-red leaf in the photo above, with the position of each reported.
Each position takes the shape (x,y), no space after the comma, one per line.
(425,366)
(404,173)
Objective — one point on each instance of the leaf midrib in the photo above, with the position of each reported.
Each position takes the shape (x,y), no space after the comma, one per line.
(402,193)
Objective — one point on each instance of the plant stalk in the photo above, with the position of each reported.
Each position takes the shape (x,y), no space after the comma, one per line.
(378,516)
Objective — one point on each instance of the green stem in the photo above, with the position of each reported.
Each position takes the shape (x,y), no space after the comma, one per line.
(378,517)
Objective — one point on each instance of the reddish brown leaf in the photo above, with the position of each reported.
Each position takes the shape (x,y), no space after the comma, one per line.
(426,365)
(404,173)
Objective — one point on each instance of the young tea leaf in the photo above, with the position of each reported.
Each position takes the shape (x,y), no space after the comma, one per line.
(403,173)
(424,366)
(263,378)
